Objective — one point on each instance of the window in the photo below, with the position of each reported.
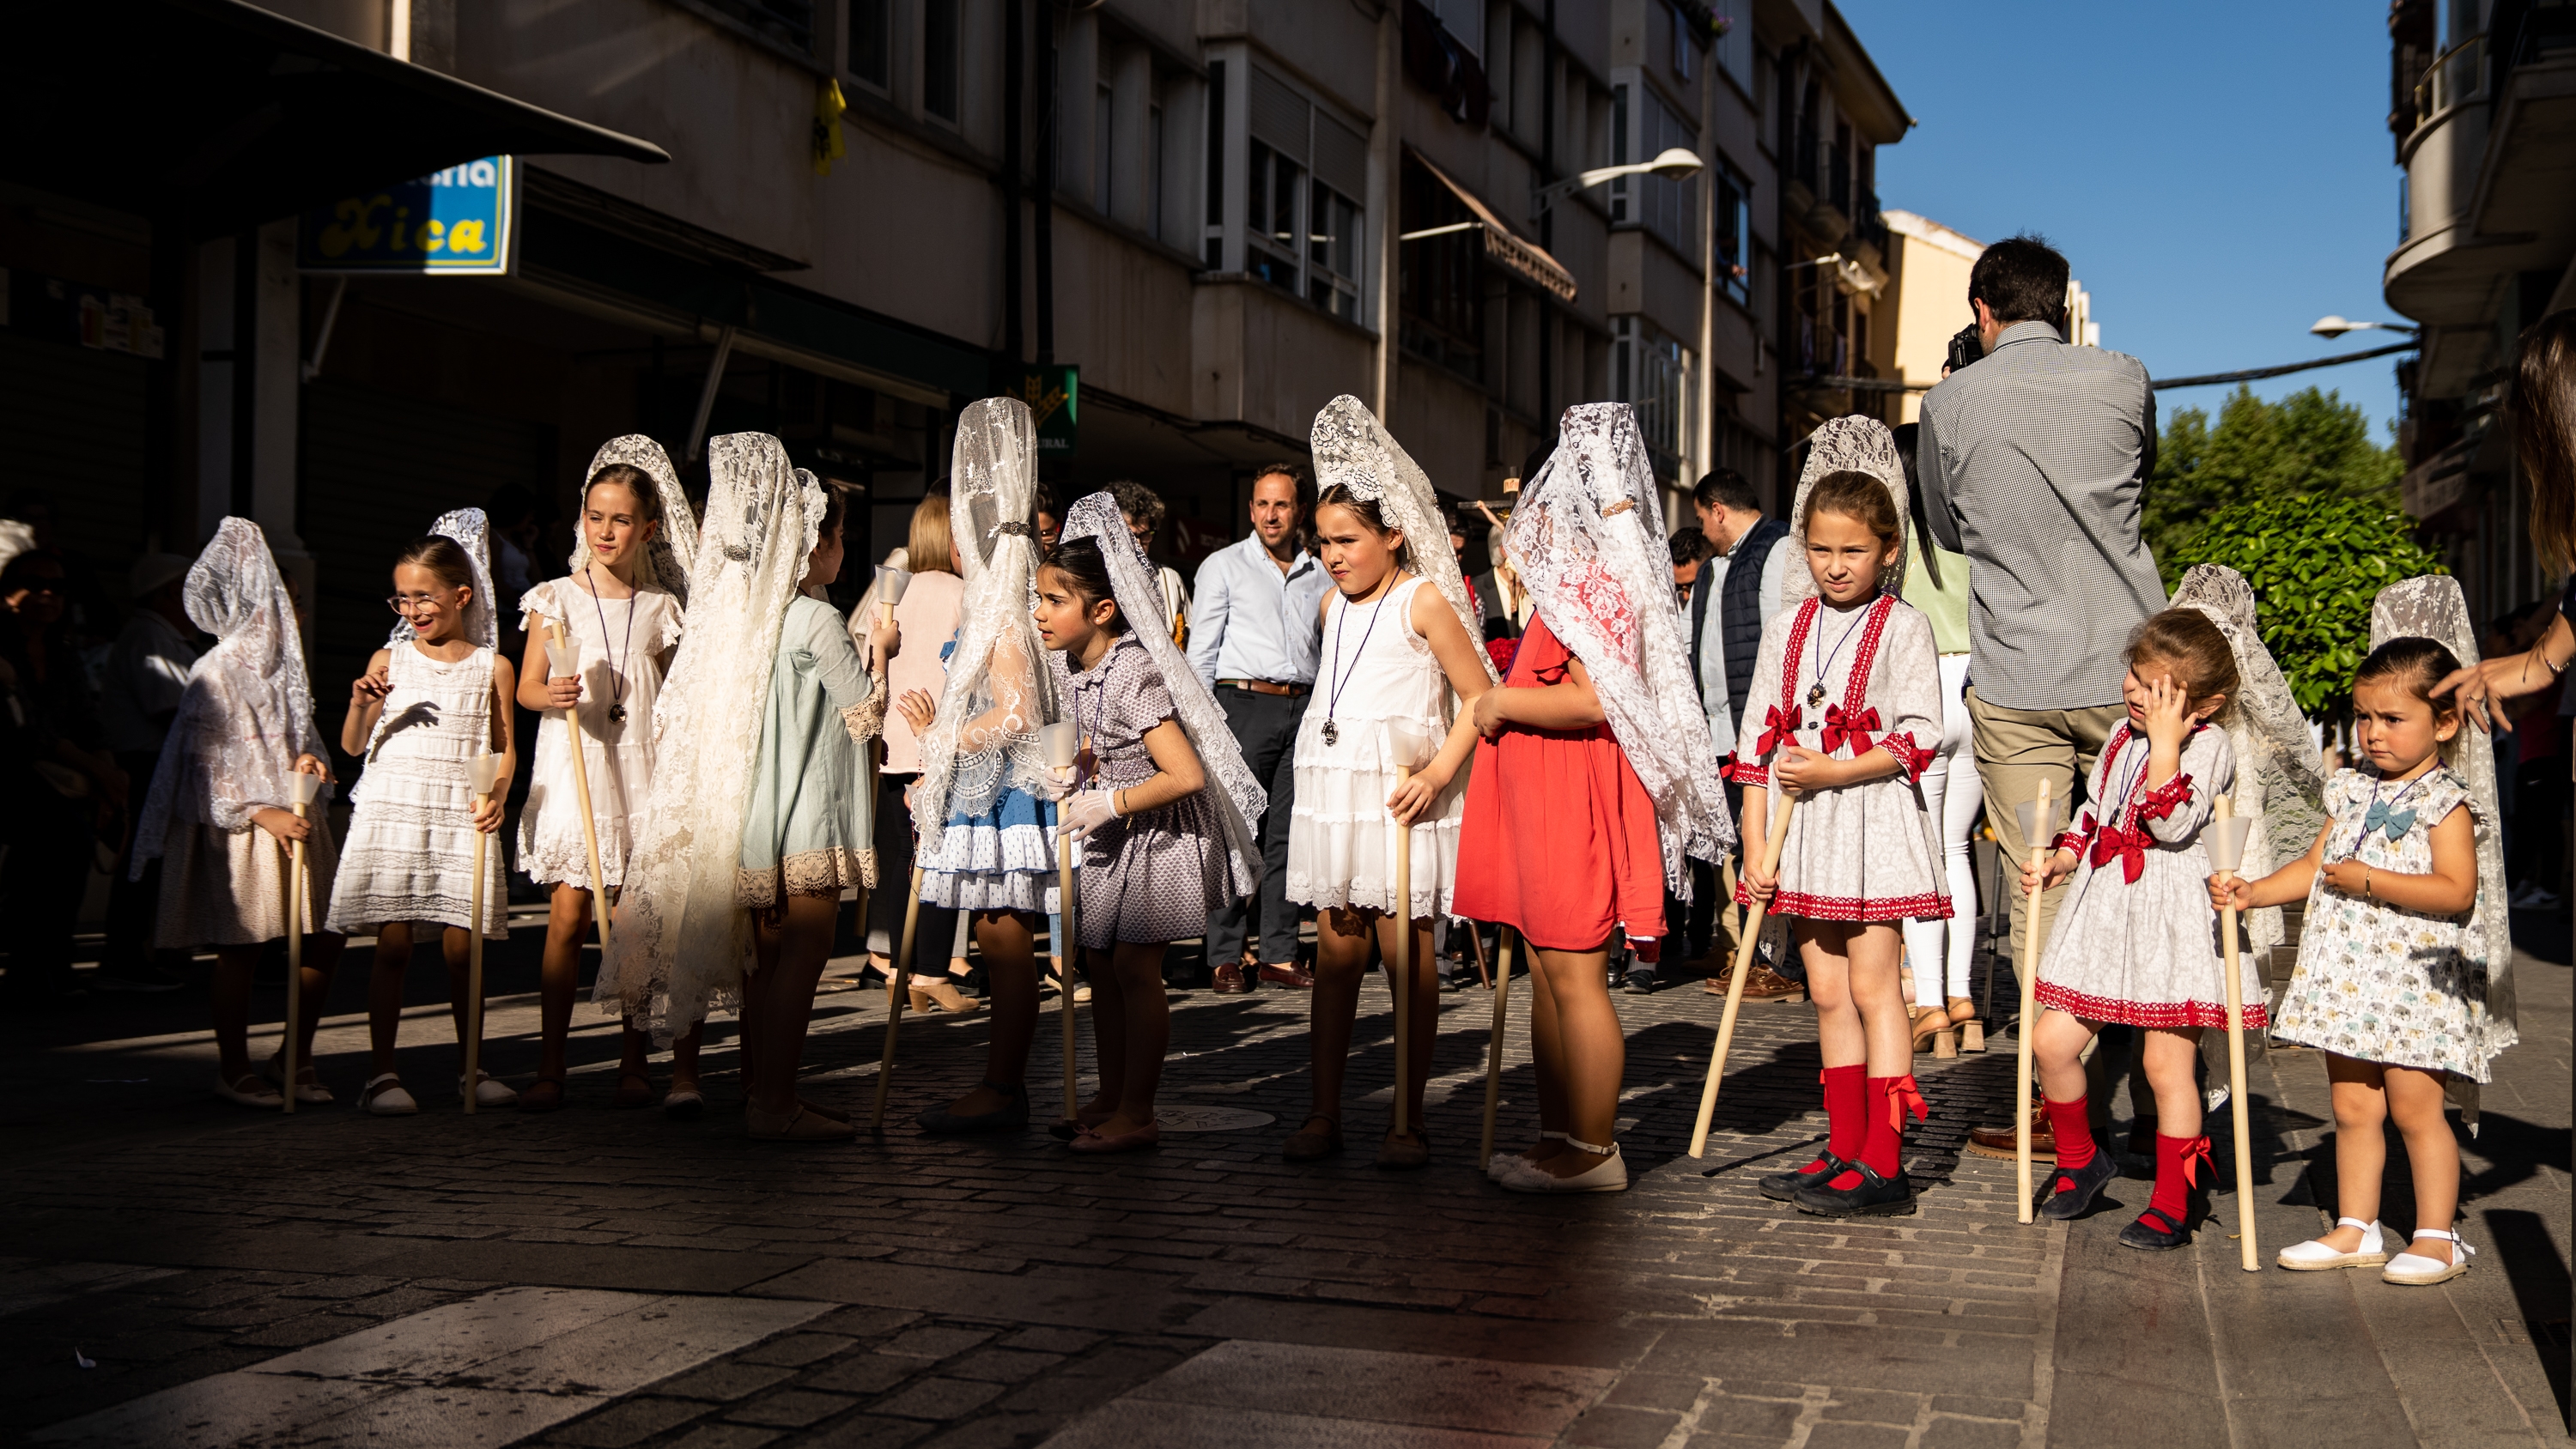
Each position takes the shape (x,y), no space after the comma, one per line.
(1619,207)
(1154,172)
(1642,127)
(1270,231)
(1652,373)
(939,58)
(1734,234)
(1333,253)
(1215,224)
(1303,230)
(871,48)
(1440,293)
(1464,20)
(1104,149)
(1682,46)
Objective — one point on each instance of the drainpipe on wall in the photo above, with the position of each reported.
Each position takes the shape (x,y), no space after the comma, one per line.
(1385,201)
(1045,219)
(1014,76)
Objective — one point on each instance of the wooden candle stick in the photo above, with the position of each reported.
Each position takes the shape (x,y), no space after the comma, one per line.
(564,658)
(1409,746)
(482,771)
(2226,855)
(298,891)
(2038,823)
(898,990)
(1494,1044)
(1775,838)
(1063,749)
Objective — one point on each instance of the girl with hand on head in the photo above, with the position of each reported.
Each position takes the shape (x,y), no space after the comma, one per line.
(436,696)
(2403,925)
(1164,804)
(1595,768)
(1856,722)
(1394,651)
(221,813)
(620,610)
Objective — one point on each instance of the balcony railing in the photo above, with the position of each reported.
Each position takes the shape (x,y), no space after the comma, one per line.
(789,22)
(2456,76)
(1804,171)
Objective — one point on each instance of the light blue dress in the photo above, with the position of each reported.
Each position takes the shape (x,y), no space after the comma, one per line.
(810,821)
(1002,859)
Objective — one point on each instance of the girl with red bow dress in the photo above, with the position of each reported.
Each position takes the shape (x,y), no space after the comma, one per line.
(1851,718)
(2137,942)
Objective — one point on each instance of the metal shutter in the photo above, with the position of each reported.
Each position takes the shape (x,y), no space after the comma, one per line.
(1278,115)
(1341,157)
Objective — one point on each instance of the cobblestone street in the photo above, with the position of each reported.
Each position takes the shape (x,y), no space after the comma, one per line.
(609,1279)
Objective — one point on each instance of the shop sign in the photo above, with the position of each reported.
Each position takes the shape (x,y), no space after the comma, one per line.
(69,311)
(1051,393)
(456,222)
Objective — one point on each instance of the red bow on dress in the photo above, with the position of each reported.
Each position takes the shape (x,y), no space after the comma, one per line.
(2129,847)
(1779,727)
(1855,727)
(2195,1159)
(1903,1097)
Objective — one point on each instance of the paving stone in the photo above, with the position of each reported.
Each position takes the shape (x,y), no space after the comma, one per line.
(1002,1365)
(934,1341)
(725,1382)
(1830,1435)
(796,1349)
(1872,1406)
(866,1373)
(1610,1426)
(866,1322)
(1943,1433)
(1046,1340)
(866,1431)
(789,1408)
(629,1421)
(725,1436)
(939,1398)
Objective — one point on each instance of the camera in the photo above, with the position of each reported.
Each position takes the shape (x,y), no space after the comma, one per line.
(1965,347)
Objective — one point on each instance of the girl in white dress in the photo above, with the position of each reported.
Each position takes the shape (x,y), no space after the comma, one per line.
(621,611)
(221,816)
(2396,979)
(1857,673)
(435,696)
(1395,653)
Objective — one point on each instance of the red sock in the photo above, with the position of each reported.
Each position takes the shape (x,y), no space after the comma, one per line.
(2072,1125)
(2180,1162)
(1846,1107)
(1890,1098)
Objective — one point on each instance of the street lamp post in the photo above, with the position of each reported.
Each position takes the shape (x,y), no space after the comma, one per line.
(1674,164)
(2332,326)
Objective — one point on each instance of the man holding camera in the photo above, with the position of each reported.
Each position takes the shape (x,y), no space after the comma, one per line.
(2032,460)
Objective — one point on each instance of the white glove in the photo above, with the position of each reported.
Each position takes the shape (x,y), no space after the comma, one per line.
(1088,811)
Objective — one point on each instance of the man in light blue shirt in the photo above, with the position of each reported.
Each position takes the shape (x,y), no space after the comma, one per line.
(1255,640)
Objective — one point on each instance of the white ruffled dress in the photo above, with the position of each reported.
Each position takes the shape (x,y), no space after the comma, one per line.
(617,753)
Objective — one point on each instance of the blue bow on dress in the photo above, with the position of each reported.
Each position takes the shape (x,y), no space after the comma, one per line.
(2395,822)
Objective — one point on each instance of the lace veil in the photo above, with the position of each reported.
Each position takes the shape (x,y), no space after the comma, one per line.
(1238,797)
(664,564)
(248,708)
(470,532)
(999,690)
(1354,450)
(2433,607)
(1588,539)
(1858,445)
(2269,736)
(681,946)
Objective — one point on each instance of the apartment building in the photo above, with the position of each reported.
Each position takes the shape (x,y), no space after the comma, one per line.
(2483,111)
(1177,226)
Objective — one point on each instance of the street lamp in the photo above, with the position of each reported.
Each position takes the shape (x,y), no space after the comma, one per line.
(2331,326)
(1674,164)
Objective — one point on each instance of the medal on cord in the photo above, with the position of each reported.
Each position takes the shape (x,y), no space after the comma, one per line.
(616,676)
(1816,691)
(1333,732)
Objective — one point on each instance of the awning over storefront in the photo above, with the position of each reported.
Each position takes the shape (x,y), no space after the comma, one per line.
(1523,259)
(223,115)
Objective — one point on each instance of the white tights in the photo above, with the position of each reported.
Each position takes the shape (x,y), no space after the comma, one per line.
(1939,951)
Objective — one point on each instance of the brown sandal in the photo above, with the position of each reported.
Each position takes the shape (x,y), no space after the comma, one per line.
(545,1094)
(1308,1145)
(634,1090)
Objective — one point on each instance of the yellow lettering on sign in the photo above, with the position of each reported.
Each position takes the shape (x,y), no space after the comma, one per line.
(353,224)
(465,236)
(431,235)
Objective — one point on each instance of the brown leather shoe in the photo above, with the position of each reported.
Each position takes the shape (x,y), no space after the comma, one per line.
(1229,979)
(1764,984)
(1294,977)
(1998,1141)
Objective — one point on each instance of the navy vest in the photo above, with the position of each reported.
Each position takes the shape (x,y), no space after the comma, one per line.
(1739,611)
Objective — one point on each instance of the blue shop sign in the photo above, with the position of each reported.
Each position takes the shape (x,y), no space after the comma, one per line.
(453,222)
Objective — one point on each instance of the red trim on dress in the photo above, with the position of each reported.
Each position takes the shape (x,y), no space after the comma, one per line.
(2166,1014)
(1912,756)
(2159,803)
(1744,774)
(1929,906)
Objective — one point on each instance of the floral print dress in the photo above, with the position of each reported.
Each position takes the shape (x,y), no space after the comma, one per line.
(2377,982)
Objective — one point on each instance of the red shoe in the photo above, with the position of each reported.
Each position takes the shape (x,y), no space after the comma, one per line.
(1294,977)
(1229,979)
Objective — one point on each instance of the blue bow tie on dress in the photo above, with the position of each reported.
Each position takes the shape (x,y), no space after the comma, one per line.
(2395,822)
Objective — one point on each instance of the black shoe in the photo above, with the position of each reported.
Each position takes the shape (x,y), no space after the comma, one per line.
(1872,1196)
(1785,1186)
(2155,1232)
(2072,1188)
(1011,1116)
(1641,981)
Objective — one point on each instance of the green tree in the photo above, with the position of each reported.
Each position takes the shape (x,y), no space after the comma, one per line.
(2310,444)
(2315,564)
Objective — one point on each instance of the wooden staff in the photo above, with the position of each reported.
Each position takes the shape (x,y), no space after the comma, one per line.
(1409,745)
(2026,966)
(1063,750)
(559,651)
(483,771)
(1777,837)
(298,891)
(2227,852)
(898,990)
(1494,1045)
(1483,972)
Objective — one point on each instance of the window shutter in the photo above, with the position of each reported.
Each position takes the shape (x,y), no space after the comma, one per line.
(1278,116)
(1341,157)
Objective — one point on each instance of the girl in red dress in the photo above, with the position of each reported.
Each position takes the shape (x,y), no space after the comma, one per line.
(1594,779)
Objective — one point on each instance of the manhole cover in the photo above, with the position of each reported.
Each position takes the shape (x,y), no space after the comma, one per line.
(1210,1119)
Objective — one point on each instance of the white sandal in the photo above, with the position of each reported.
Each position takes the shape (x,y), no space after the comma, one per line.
(263,1095)
(1610,1175)
(2414,1270)
(487,1092)
(2314,1254)
(383,1096)
(311,1094)
(1502,1165)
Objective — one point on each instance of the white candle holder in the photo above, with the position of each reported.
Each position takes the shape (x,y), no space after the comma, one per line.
(305,788)
(563,657)
(1060,742)
(1408,744)
(891,582)
(482,771)
(2226,840)
(2038,832)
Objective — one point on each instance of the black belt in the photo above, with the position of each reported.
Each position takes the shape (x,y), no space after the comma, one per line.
(1266,686)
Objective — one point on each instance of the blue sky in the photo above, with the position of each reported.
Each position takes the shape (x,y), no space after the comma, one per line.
(2221,176)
